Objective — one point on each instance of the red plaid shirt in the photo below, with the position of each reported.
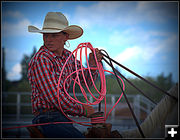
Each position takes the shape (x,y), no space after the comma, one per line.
(43,73)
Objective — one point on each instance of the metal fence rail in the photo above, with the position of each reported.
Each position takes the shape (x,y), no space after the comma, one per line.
(118,122)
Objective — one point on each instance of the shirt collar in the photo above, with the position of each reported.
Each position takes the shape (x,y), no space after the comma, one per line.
(51,53)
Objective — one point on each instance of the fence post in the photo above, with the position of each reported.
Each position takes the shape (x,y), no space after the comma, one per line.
(113,111)
(18,106)
(137,107)
(90,98)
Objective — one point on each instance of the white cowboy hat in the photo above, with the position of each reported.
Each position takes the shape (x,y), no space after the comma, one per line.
(56,22)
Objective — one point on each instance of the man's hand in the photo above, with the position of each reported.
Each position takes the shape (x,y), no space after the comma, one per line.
(89,109)
(92,61)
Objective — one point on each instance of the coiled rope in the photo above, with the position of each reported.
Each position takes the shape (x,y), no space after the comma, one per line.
(102,93)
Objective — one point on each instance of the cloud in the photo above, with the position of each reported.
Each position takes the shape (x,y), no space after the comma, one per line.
(128,54)
(16,29)
(12,54)
(116,13)
(15,72)
(158,11)
(147,39)
(13,14)
(98,13)
(131,36)
(18,26)
(148,51)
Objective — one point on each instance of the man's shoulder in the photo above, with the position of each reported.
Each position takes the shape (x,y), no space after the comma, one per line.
(67,53)
(41,54)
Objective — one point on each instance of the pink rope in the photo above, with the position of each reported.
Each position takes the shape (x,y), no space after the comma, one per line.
(102,93)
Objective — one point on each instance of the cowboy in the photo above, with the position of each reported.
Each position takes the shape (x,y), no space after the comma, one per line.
(43,74)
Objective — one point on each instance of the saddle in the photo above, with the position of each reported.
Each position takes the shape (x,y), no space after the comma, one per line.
(34,132)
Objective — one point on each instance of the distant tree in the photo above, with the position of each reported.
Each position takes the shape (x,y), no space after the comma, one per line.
(4,80)
(164,82)
(19,86)
(170,81)
(24,63)
(23,84)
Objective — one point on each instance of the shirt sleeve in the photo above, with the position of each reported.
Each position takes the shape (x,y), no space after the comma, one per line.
(48,83)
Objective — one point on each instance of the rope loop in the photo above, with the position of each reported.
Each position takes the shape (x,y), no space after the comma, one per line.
(80,71)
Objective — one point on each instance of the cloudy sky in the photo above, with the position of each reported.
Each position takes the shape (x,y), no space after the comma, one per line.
(142,36)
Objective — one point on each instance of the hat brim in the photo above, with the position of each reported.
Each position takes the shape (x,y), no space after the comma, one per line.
(74,31)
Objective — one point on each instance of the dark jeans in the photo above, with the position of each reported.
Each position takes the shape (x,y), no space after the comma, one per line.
(64,130)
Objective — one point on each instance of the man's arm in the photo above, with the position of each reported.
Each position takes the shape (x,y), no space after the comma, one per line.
(46,81)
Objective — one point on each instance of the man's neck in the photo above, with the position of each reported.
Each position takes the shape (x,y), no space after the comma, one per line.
(59,52)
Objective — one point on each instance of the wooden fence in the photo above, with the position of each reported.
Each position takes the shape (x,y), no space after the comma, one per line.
(16,116)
